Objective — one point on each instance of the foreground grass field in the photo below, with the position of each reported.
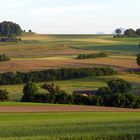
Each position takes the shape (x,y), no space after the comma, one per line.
(70,126)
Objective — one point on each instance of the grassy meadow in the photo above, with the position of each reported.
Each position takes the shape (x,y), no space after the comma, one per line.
(69,126)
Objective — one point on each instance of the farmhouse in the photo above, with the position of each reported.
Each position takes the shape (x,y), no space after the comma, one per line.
(84,92)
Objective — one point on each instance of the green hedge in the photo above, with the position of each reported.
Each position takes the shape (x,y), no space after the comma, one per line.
(94,55)
(55,95)
(53,74)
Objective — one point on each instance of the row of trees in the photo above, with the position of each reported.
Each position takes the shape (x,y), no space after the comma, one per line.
(94,55)
(53,74)
(115,95)
(127,33)
(4,57)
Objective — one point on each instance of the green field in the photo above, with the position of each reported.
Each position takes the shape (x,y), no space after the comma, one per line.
(69,126)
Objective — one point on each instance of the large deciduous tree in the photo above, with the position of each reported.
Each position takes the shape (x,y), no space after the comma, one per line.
(119,86)
(118,31)
(30,90)
(10,29)
(138,32)
(130,33)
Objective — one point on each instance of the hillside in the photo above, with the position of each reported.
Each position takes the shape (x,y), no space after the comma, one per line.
(38,51)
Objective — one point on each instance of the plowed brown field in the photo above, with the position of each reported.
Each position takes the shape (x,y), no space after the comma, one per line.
(22,109)
(29,65)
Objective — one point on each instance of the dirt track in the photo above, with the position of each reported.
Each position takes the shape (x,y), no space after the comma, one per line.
(41,109)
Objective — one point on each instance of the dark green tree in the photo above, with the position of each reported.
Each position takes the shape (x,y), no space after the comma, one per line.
(132,101)
(4,95)
(103,91)
(130,33)
(51,88)
(118,100)
(119,86)
(9,29)
(29,90)
(138,59)
(138,32)
(118,32)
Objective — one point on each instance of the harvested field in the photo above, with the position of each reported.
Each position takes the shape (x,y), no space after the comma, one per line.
(120,64)
(41,50)
(65,108)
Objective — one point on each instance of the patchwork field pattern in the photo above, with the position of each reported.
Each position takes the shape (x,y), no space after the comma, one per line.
(38,52)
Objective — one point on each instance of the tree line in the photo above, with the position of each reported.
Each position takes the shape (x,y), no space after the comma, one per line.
(53,74)
(93,55)
(115,95)
(127,33)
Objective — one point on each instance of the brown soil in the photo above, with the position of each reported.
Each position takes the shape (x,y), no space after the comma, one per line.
(39,109)
(29,65)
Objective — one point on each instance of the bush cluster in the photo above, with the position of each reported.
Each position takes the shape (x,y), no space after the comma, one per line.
(3,57)
(105,96)
(10,29)
(117,95)
(94,55)
(127,33)
(55,95)
(4,95)
(53,74)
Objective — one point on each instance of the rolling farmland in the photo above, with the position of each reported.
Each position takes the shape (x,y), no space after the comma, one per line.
(69,122)
(38,52)
(69,70)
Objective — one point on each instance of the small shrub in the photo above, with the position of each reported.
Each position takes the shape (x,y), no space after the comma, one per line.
(88,56)
(4,95)
(3,57)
